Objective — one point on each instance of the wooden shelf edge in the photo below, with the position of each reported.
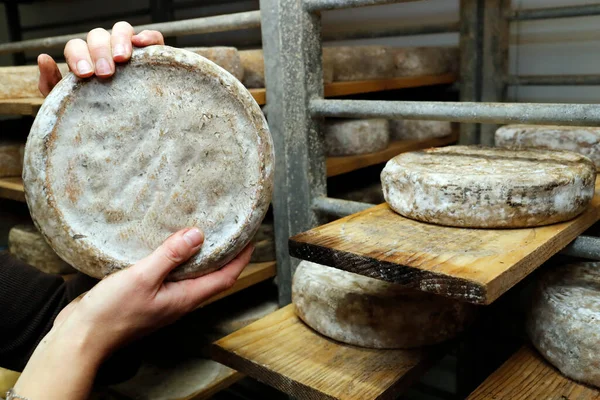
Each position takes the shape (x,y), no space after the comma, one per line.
(12,189)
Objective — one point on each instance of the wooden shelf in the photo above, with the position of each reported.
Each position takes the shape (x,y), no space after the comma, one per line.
(12,188)
(474,265)
(341,165)
(526,375)
(20,106)
(281,351)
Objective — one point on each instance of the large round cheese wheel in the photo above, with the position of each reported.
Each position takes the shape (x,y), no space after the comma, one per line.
(401,129)
(227,58)
(478,187)
(415,61)
(113,167)
(26,243)
(582,140)
(564,320)
(367,312)
(345,137)
(357,63)
(11,158)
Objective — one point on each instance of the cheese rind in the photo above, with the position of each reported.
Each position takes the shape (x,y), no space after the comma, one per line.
(27,244)
(358,63)
(418,130)
(564,320)
(478,187)
(367,312)
(582,140)
(11,159)
(132,176)
(355,136)
(418,61)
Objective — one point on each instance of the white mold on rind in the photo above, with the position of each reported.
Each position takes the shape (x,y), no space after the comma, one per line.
(347,137)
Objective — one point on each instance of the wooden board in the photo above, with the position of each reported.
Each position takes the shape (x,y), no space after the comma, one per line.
(526,375)
(12,188)
(474,265)
(341,165)
(20,106)
(281,351)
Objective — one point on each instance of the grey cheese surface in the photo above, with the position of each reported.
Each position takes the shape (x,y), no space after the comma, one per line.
(564,320)
(27,244)
(582,140)
(368,312)
(113,167)
(416,61)
(358,63)
(478,187)
(11,158)
(346,137)
(418,130)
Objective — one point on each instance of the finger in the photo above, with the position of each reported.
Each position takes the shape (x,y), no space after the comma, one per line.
(120,40)
(196,291)
(148,38)
(78,58)
(98,41)
(177,249)
(49,74)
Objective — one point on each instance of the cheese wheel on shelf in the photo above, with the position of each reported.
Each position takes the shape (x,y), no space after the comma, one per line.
(11,158)
(368,312)
(27,244)
(419,61)
(358,63)
(479,187)
(564,320)
(22,81)
(227,58)
(345,137)
(114,167)
(418,130)
(582,140)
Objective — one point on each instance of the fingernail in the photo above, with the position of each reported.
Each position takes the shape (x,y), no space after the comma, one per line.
(119,50)
(83,67)
(102,67)
(193,237)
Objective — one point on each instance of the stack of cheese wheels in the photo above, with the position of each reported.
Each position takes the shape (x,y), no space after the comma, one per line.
(564,320)
(408,129)
(478,187)
(114,167)
(357,63)
(11,158)
(367,312)
(227,58)
(26,243)
(582,140)
(346,137)
(416,61)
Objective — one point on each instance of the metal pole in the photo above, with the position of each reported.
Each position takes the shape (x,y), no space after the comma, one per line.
(551,80)
(584,247)
(322,5)
(491,113)
(339,207)
(444,27)
(471,63)
(220,23)
(554,12)
(293,74)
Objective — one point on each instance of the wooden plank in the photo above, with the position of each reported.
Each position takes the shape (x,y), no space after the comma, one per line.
(474,265)
(526,375)
(260,95)
(12,188)
(281,351)
(341,165)
(20,106)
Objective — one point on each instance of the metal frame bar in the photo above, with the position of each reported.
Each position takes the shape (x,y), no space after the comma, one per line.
(552,80)
(425,29)
(82,21)
(553,12)
(323,5)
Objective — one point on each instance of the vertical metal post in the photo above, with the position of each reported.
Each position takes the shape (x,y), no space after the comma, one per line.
(13,19)
(471,63)
(293,76)
(495,58)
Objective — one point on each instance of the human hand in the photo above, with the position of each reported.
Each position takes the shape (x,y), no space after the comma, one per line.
(96,56)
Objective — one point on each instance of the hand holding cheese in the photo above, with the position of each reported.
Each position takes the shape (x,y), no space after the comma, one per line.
(97,55)
(122,307)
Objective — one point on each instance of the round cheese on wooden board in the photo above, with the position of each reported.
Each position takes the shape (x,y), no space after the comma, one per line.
(227,58)
(367,312)
(11,158)
(418,61)
(582,140)
(358,63)
(27,244)
(113,167)
(418,130)
(564,320)
(479,187)
(345,137)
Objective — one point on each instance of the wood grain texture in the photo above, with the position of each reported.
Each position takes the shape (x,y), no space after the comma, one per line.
(20,106)
(474,265)
(12,188)
(527,376)
(341,165)
(281,351)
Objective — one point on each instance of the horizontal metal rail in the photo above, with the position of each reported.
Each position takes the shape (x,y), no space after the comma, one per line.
(492,113)
(322,5)
(584,247)
(338,207)
(426,29)
(553,80)
(220,23)
(98,18)
(554,12)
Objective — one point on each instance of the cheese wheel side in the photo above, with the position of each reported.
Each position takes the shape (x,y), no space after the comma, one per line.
(352,137)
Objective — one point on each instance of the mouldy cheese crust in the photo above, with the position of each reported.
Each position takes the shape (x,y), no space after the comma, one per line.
(367,312)
(478,187)
(564,320)
(113,167)
(345,137)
